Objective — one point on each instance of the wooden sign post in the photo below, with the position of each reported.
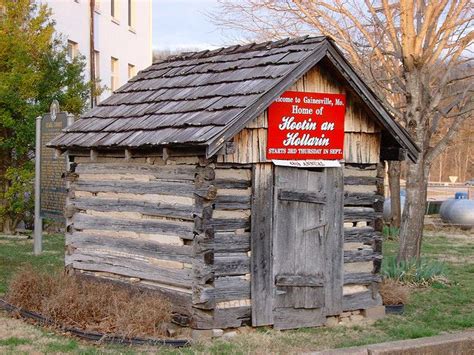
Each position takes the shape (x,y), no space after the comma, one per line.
(38,231)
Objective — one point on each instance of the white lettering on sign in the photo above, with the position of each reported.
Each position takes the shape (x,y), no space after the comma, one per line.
(288,123)
(324,101)
(305,140)
(327,126)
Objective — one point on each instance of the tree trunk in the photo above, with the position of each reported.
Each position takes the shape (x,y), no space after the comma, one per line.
(441,157)
(411,231)
(394,185)
(4,162)
(9,226)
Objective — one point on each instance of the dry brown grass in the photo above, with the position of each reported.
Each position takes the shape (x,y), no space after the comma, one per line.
(90,305)
(393,292)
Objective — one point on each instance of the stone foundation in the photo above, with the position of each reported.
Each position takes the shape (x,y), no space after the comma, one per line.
(346,318)
(356,317)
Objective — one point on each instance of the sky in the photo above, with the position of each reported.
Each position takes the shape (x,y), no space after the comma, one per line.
(183,24)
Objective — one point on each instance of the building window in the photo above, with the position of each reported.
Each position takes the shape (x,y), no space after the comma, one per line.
(131,71)
(72,49)
(114,9)
(97,65)
(114,70)
(131,13)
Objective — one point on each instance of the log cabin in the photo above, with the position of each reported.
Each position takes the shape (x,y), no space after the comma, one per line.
(172,186)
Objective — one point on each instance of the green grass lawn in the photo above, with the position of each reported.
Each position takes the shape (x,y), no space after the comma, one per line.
(431,310)
(17,252)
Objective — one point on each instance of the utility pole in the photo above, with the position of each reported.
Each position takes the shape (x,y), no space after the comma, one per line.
(38,231)
(92,53)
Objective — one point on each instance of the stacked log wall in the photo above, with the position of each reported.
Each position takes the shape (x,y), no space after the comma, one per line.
(132,221)
(228,297)
(363,206)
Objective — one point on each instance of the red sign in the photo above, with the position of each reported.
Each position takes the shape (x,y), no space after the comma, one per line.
(306,125)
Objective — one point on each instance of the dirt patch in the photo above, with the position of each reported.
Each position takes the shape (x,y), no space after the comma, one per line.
(15,328)
(454,234)
(434,226)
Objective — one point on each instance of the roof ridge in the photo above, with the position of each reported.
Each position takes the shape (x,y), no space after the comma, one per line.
(240,48)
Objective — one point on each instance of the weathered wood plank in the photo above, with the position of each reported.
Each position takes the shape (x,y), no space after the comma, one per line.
(233,165)
(232,184)
(334,254)
(231,317)
(301,196)
(174,172)
(360,180)
(351,256)
(223,224)
(300,280)
(358,168)
(231,264)
(82,221)
(203,254)
(361,278)
(361,300)
(360,234)
(230,202)
(230,243)
(123,205)
(203,296)
(289,318)
(131,268)
(361,199)
(151,187)
(353,214)
(261,245)
(227,288)
(131,246)
(202,319)
(207,193)
(231,288)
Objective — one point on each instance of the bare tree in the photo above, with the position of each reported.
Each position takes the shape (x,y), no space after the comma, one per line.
(407,50)
(462,148)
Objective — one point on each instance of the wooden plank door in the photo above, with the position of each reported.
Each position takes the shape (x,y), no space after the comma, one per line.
(307,246)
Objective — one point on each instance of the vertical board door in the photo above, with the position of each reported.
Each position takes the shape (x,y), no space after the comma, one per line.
(307,246)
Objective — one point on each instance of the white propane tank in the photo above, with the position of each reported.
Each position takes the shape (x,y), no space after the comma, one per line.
(461,213)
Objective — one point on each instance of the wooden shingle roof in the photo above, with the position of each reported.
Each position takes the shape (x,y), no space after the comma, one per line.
(202,98)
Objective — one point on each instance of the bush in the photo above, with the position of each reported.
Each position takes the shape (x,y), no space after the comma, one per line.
(420,272)
(393,292)
(18,202)
(89,304)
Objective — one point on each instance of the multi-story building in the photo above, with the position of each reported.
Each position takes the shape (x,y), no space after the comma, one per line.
(114,36)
